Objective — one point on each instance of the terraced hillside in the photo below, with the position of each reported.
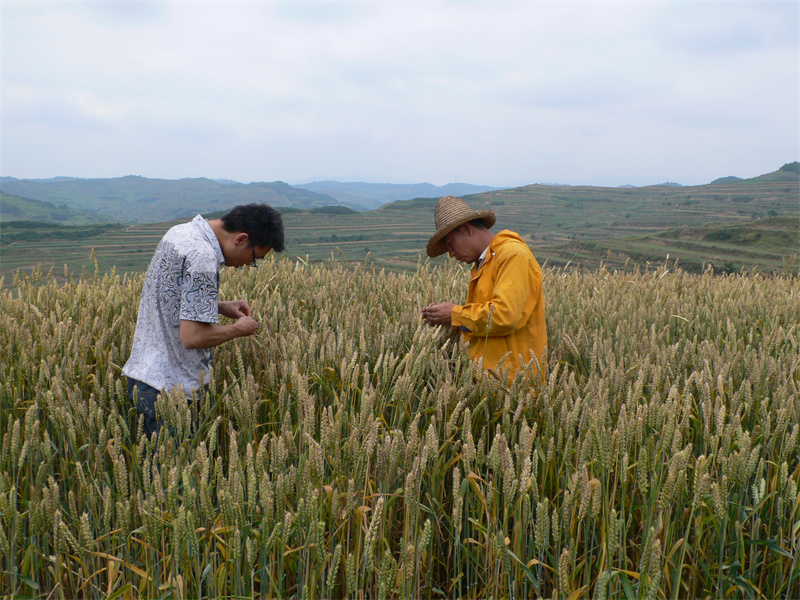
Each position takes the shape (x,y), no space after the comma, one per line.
(733,225)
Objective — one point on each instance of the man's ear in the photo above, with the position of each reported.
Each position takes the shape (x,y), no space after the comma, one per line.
(241,238)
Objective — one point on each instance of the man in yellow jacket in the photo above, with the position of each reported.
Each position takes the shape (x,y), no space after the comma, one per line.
(504,310)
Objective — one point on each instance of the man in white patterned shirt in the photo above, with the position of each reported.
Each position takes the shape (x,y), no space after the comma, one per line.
(178,321)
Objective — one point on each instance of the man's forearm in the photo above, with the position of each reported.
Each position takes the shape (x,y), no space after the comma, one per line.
(196,335)
(493,318)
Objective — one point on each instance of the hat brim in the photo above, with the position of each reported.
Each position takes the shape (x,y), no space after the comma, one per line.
(436,245)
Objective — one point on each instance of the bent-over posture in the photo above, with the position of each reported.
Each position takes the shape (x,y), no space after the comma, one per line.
(504,309)
(178,320)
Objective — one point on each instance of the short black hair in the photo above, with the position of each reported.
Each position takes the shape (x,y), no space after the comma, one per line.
(262,224)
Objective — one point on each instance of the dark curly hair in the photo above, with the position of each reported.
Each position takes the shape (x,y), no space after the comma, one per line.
(262,223)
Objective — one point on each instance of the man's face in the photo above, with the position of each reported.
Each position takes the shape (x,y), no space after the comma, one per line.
(243,253)
(460,246)
(258,253)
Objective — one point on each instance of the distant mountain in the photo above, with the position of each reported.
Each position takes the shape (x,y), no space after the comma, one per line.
(788,173)
(15,208)
(135,199)
(368,196)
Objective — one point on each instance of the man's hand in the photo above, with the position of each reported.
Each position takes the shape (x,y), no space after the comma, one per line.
(234,309)
(246,325)
(437,314)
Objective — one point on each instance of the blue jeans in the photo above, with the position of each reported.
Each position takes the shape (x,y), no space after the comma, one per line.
(146,404)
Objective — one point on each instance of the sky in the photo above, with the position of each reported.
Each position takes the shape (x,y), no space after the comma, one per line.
(489,93)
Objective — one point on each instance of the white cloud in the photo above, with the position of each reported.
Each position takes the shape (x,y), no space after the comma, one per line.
(491,92)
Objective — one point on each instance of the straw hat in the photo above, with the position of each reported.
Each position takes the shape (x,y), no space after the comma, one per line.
(451,213)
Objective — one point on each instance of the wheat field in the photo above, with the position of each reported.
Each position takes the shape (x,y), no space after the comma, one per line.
(348,451)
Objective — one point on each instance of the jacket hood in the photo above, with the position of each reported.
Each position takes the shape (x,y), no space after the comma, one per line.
(506,235)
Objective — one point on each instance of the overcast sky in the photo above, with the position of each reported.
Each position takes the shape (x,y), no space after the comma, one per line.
(494,93)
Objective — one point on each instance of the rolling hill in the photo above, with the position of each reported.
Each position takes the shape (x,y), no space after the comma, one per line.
(368,196)
(16,208)
(733,225)
(134,199)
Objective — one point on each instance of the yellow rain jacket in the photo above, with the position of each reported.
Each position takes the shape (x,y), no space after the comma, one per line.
(509,285)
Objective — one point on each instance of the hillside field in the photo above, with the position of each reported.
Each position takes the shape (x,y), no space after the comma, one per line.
(348,451)
(738,225)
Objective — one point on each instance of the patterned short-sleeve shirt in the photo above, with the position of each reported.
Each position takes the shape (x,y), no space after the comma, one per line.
(182,283)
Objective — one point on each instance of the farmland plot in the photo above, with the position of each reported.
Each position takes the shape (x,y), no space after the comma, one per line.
(347,450)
